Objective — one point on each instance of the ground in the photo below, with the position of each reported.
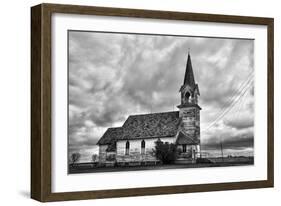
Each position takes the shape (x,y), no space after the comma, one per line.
(88,168)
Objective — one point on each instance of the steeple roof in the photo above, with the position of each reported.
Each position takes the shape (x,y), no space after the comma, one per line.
(189,76)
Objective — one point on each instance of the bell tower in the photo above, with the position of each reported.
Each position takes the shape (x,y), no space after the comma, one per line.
(189,110)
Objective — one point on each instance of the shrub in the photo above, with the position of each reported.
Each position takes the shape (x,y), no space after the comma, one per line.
(203,160)
(110,157)
(165,152)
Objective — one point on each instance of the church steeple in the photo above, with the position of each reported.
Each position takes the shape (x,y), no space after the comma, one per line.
(189,90)
(189,76)
(189,110)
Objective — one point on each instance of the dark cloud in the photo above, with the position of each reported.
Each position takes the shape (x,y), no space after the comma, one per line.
(240,123)
(227,69)
(236,142)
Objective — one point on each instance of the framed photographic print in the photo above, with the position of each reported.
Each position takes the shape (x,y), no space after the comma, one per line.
(130,102)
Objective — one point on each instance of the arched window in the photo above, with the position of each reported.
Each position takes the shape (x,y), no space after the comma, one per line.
(184,148)
(142,147)
(127,147)
(187,95)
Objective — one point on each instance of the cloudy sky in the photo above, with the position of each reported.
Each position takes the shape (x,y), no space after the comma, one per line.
(113,75)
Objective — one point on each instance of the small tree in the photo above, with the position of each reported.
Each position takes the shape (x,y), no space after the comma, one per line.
(94,160)
(75,157)
(94,157)
(165,152)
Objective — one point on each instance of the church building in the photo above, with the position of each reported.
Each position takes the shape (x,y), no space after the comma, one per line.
(134,142)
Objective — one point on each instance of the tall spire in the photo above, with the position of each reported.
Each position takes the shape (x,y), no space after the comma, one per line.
(189,76)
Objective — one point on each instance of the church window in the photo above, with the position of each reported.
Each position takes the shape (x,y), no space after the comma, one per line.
(184,148)
(187,95)
(127,147)
(142,147)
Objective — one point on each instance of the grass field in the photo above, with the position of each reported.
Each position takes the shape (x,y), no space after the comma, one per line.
(218,162)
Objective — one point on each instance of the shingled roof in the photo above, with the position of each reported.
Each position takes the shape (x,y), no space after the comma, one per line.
(151,125)
(111,135)
(143,126)
(184,138)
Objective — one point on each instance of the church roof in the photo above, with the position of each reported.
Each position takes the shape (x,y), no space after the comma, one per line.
(184,138)
(111,135)
(189,76)
(143,126)
(151,125)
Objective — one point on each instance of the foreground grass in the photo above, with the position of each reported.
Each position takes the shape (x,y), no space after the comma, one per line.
(76,170)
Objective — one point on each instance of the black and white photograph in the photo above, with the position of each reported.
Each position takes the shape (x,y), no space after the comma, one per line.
(154,102)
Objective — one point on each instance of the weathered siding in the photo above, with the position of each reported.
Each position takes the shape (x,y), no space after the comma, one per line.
(189,151)
(191,121)
(198,151)
(187,157)
(136,156)
(135,150)
(102,153)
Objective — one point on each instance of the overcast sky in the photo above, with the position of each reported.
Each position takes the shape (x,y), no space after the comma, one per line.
(112,76)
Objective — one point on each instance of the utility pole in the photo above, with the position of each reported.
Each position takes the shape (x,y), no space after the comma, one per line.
(221,149)
(200,155)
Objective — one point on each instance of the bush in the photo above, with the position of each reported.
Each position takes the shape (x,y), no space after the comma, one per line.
(110,157)
(165,152)
(203,160)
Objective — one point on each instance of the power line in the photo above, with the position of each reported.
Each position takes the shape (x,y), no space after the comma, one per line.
(235,93)
(227,110)
(232,98)
(240,106)
(246,87)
